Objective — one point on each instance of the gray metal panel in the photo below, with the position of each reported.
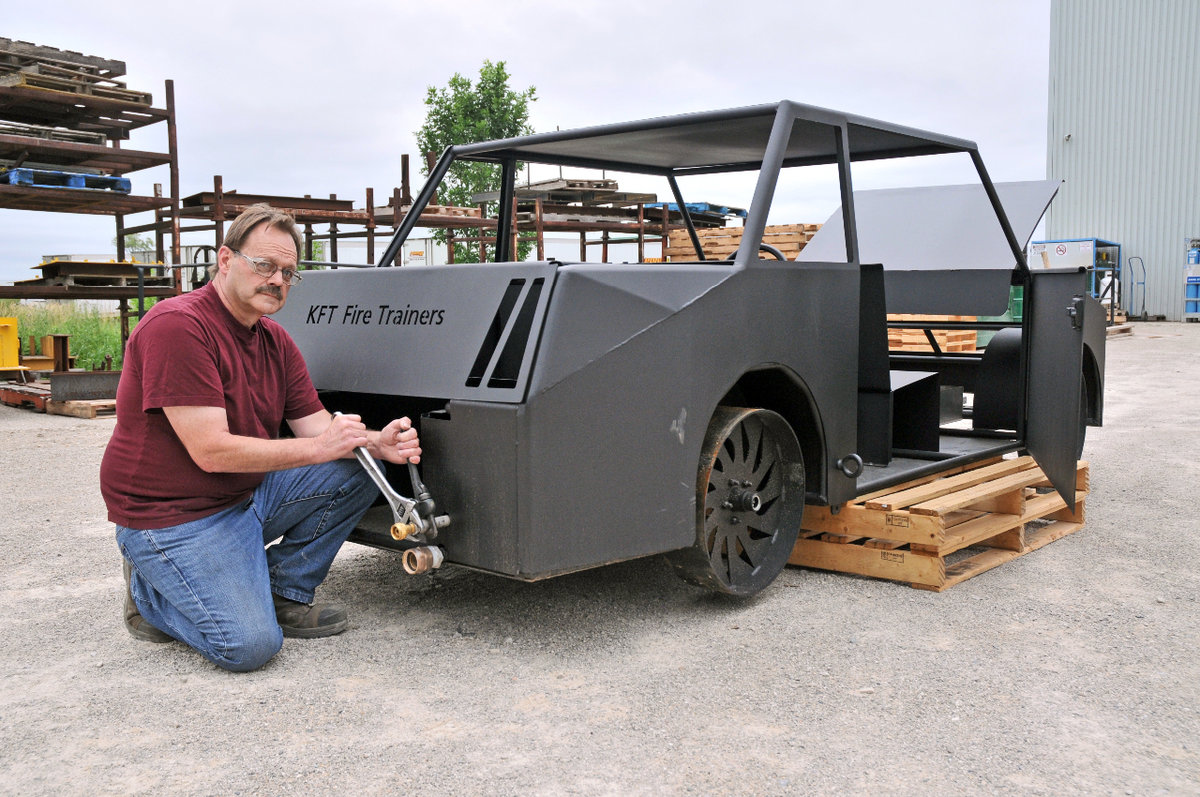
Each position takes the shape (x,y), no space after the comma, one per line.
(1055,354)
(598,307)
(935,227)
(469,463)
(1124,133)
(613,449)
(969,292)
(417,330)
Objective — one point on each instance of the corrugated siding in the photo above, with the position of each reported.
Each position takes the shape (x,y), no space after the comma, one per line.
(1125,86)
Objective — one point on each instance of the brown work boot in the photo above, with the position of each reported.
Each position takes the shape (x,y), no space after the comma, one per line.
(308,621)
(134,622)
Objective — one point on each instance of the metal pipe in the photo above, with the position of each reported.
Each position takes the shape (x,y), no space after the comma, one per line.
(687,217)
(141,270)
(418,206)
(504,215)
(1001,215)
(912,453)
(937,465)
(968,325)
(845,185)
(764,189)
(989,433)
(423,559)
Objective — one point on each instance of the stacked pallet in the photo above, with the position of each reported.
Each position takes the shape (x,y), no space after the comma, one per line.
(941,530)
(60,109)
(948,340)
(99,274)
(571,191)
(54,178)
(720,243)
(52,133)
(32,66)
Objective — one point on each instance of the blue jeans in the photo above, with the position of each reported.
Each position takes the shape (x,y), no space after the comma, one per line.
(208,582)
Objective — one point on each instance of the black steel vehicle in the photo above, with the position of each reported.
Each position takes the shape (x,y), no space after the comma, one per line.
(578,414)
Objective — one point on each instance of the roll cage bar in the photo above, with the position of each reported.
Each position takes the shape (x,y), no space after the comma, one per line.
(763,137)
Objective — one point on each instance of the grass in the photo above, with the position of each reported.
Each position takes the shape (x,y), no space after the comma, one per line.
(94,334)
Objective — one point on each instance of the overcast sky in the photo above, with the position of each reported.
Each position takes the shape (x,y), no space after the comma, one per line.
(324,97)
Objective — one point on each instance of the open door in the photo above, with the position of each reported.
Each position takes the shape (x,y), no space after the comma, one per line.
(1054,329)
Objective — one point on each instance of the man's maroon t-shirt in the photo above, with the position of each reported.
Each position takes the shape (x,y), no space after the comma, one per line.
(189,351)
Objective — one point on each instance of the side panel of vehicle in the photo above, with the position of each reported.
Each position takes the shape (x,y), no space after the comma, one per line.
(599,463)
(610,450)
(1053,431)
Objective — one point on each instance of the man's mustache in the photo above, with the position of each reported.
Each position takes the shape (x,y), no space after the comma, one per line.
(273,290)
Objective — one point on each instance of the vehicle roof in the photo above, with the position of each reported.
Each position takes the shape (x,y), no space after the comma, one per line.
(716,141)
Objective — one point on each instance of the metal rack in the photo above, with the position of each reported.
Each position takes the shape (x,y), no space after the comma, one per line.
(65,111)
(617,219)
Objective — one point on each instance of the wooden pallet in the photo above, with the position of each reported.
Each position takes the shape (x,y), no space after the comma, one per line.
(920,532)
(86,408)
(1119,329)
(15,54)
(48,133)
(28,80)
(19,395)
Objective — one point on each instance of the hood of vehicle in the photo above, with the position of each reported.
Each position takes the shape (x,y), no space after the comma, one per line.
(935,227)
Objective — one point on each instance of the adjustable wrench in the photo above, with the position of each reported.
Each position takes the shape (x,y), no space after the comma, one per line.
(413,518)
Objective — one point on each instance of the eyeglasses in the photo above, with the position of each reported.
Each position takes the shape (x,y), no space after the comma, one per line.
(265,268)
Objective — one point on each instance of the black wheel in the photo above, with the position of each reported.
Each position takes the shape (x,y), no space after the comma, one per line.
(749,502)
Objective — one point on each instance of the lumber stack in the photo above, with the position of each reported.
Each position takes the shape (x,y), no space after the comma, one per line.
(720,243)
(952,340)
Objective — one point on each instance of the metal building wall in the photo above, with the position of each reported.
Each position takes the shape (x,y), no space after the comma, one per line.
(1124,133)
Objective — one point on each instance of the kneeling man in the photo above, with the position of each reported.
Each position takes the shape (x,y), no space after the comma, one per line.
(197,480)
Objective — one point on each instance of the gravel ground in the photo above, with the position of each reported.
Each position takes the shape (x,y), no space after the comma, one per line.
(1073,670)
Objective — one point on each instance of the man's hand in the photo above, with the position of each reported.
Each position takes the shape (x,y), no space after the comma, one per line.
(344,434)
(397,442)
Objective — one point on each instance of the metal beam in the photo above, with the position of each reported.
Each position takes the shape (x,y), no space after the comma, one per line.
(847,188)
(414,213)
(687,217)
(764,190)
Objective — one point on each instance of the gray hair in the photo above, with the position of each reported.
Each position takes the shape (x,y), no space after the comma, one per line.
(252,217)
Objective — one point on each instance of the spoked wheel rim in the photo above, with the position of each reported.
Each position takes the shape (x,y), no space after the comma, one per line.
(750,502)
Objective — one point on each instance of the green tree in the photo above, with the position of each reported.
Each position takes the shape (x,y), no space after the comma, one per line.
(318,254)
(136,243)
(462,113)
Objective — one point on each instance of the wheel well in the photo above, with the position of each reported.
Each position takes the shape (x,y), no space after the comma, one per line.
(782,391)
